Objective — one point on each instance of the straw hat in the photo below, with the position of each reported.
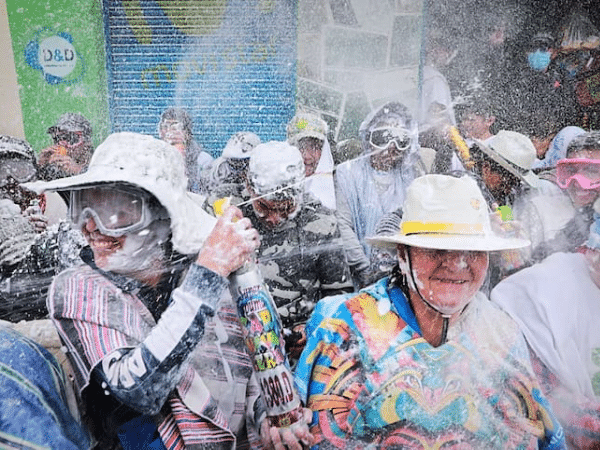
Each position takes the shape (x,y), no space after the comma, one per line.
(447,213)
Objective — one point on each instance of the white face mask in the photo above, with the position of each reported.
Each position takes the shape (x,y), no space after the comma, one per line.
(142,251)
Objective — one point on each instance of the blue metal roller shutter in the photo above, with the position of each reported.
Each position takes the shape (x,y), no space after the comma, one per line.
(231,64)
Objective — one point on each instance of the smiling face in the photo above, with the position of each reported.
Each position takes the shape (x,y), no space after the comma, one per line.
(138,255)
(447,279)
(102,246)
(125,229)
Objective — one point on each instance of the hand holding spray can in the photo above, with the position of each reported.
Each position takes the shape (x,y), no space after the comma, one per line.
(263,334)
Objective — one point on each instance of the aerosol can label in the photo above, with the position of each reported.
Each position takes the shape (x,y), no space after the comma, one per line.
(263,334)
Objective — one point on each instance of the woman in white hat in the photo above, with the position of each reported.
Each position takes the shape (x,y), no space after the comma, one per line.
(422,359)
(148,322)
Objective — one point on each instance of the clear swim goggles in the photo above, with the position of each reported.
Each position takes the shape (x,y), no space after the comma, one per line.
(116,211)
(586,172)
(382,137)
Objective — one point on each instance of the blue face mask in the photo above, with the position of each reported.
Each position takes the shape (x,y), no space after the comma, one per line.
(539,60)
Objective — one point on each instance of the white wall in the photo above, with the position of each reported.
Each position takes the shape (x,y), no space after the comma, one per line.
(11,121)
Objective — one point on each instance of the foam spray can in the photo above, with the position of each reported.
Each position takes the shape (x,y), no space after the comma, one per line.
(263,335)
(461,147)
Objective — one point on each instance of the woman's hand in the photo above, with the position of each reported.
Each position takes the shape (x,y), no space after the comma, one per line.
(231,243)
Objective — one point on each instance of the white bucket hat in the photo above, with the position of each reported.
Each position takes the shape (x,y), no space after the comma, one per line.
(515,152)
(447,213)
(276,170)
(154,166)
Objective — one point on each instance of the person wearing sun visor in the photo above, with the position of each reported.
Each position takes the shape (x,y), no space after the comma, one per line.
(372,185)
(308,132)
(17,165)
(422,358)
(148,321)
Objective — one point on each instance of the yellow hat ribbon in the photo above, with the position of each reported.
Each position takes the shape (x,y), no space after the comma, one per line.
(440,227)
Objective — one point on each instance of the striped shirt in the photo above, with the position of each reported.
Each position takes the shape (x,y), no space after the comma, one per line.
(188,370)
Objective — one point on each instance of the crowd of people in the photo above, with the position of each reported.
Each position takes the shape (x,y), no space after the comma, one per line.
(437,279)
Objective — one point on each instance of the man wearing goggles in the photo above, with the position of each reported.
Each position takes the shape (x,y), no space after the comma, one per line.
(17,165)
(115,210)
(368,187)
(381,138)
(388,144)
(148,320)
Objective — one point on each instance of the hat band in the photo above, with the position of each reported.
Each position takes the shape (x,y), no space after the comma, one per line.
(441,227)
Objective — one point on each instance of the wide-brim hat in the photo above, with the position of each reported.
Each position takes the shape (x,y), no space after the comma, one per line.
(514,152)
(447,213)
(154,166)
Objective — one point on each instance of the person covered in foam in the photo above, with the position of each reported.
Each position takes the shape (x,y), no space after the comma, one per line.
(148,322)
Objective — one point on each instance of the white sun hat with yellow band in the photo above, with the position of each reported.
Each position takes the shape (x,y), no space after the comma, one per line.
(447,213)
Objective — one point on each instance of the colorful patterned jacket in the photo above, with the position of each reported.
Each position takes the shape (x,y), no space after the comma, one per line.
(372,381)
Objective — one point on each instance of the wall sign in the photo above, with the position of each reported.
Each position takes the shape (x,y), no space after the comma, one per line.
(55,56)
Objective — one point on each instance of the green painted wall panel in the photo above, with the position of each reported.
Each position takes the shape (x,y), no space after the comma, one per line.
(59,55)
